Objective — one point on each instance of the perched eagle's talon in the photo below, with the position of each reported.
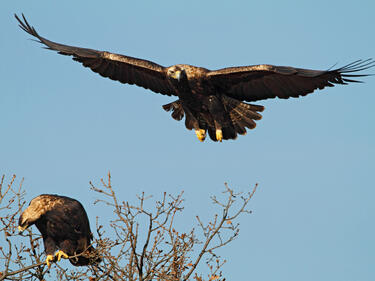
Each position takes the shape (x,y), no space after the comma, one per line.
(49,259)
(60,254)
(219,135)
(20,229)
(201,134)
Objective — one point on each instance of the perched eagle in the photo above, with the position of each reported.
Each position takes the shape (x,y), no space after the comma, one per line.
(211,101)
(64,226)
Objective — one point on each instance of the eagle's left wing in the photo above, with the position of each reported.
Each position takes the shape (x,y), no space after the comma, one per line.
(121,68)
(258,82)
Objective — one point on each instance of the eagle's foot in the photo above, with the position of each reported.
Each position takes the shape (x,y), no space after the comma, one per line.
(201,134)
(49,259)
(219,135)
(60,254)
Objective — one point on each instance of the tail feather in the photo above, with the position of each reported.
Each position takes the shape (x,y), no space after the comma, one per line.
(176,108)
(252,107)
(229,133)
(246,122)
(239,128)
(241,119)
(242,114)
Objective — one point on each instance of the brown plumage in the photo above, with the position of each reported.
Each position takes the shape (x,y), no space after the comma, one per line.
(64,226)
(213,101)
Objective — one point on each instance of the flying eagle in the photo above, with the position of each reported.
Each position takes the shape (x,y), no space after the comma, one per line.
(64,226)
(213,101)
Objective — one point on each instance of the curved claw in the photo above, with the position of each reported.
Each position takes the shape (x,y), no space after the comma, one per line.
(60,254)
(219,135)
(201,134)
(49,259)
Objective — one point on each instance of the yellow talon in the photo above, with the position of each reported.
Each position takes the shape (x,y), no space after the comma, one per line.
(201,134)
(219,135)
(49,259)
(20,229)
(60,254)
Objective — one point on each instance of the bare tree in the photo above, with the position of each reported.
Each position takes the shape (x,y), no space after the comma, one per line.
(141,242)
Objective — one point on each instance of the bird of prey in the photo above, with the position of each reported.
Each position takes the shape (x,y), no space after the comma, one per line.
(213,101)
(64,226)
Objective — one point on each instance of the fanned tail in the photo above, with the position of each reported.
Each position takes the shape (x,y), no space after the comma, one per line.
(242,114)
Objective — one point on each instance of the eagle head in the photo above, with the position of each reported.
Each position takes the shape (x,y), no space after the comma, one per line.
(176,72)
(33,212)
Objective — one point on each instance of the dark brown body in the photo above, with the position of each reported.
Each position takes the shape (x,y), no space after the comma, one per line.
(64,226)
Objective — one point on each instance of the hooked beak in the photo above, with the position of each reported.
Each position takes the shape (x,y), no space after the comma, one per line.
(177,75)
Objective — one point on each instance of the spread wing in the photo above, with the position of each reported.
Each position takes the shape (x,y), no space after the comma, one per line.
(121,68)
(258,82)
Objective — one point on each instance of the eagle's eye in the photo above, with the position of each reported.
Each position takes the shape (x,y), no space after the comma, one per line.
(175,73)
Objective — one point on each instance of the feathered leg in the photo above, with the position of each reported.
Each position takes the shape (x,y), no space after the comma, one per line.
(49,248)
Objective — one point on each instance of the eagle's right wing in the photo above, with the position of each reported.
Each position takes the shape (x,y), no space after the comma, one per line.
(121,68)
(259,82)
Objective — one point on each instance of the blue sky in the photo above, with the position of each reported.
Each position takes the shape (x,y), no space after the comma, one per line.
(63,125)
